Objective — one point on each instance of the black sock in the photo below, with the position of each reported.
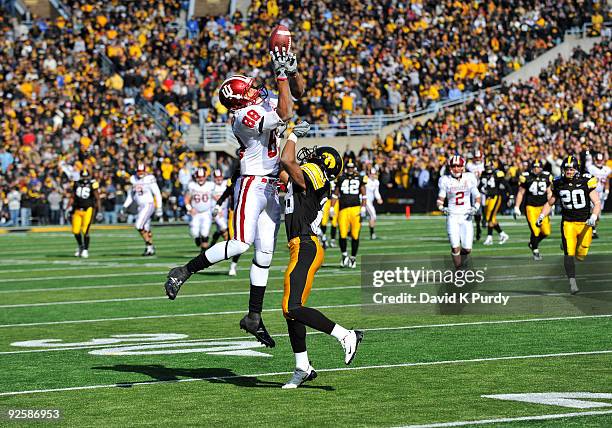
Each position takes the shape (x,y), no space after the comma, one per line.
(256,299)
(79,239)
(323,230)
(147,243)
(215,238)
(477,219)
(333,232)
(534,241)
(198,241)
(312,318)
(371,231)
(498,229)
(490,230)
(297,336)
(86,242)
(541,237)
(354,247)
(343,245)
(570,267)
(198,263)
(236,258)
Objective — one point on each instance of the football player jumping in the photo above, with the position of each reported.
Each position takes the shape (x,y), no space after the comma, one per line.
(308,187)
(598,169)
(199,204)
(145,192)
(85,201)
(255,121)
(458,189)
(577,220)
(534,187)
(372,194)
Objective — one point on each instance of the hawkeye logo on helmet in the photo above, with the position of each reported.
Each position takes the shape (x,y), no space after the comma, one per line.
(329,160)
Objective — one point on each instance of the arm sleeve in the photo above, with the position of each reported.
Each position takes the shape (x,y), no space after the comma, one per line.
(442,189)
(377,190)
(129,199)
(225,195)
(156,195)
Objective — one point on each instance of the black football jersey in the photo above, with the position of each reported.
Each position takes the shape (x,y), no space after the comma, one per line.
(304,207)
(574,196)
(493,183)
(350,190)
(84,193)
(535,187)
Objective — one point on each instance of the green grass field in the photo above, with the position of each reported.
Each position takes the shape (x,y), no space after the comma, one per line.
(112,350)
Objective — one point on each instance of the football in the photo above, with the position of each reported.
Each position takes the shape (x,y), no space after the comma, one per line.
(280,37)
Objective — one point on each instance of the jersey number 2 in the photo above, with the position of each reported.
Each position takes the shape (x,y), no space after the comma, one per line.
(459,198)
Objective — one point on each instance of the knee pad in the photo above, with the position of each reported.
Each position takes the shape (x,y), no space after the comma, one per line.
(233,247)
(262,259)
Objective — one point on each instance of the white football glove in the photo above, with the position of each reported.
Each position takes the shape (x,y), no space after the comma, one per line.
(604,197)
(99,217)
(301,129)
(159,213)
(215,211)
(592,221)
(517,211)
(444,210)
(280,62)
(539,220)
(362,211)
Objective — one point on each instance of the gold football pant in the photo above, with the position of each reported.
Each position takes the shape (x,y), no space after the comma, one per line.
(492,206)
(81,220)
(349,218)
(576,238)
(325,219)
(532,213)
(305,259)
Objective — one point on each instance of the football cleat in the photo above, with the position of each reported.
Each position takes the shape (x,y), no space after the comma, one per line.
(332,243)
(299,377)
(595,235)
(503,237)
(537,256)
(373,237)
(85,254)
(352,262)
(77,253)
(350,343)
(344,261)
(232,269)
(252,323)
(176,277)
(489,240)
(573,286)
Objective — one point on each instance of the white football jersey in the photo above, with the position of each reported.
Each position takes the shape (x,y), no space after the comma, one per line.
(255,128)
(475,168)
(372,189)
(201,195)
(602,174)
(458,192)
(218,190)
(145,190)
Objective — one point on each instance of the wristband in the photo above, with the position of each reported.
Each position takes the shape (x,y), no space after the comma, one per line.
(189,207)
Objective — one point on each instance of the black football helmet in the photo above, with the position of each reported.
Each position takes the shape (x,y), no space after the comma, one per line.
(84,175)
(328,159)
(570,163)
(535,164)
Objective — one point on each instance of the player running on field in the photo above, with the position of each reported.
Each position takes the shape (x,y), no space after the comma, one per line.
(534,188)
(308,187)
(577,193)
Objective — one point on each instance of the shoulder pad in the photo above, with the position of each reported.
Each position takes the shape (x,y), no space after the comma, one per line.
(545,173)
(523,177)
(591,181)
(500,174)
(94,185)
(314,174)
(365,178)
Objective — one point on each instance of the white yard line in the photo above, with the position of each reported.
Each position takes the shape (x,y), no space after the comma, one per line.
(397,328)
(336,369)
(517,419)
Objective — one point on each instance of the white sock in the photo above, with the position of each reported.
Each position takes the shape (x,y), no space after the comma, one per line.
(301,360)
(233,265)
(345,254)
(339,332)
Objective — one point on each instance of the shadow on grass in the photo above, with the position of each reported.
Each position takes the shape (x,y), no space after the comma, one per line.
(160,373)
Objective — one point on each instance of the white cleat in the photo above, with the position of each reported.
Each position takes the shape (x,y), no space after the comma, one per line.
(299,377)
(232,270)
(332,243)
(350,343)
(573,286)
(352,262)
(373,237)
(77,253)
(503,237)
(85,254)
(488,241)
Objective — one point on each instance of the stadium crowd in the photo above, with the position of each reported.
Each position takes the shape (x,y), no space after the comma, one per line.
(64,106)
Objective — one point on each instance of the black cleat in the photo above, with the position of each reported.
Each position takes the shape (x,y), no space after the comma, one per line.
(595,235)
(252,323)
(176,277)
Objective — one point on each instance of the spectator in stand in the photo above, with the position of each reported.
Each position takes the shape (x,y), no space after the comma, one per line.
(55,203)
